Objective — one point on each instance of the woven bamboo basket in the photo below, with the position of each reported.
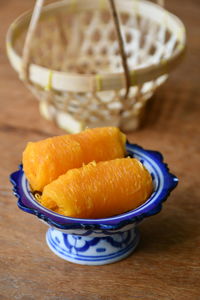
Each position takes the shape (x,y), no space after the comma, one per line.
(68,53)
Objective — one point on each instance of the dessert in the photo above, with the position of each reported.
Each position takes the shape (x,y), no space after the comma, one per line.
(46,160)
(99,190)
(86,175)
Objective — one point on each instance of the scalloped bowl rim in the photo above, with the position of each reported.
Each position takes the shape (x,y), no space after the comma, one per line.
(167,182)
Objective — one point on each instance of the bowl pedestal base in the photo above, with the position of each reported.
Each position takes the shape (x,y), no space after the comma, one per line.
(93,247)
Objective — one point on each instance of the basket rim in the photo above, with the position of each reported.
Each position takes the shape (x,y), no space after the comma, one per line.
(76,82)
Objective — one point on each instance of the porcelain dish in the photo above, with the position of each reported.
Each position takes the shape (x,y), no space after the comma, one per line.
(99,241)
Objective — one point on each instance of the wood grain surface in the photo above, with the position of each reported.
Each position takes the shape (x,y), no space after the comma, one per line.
(166,265)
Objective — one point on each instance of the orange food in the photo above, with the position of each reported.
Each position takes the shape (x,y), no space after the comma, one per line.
(99,190)
(46,160)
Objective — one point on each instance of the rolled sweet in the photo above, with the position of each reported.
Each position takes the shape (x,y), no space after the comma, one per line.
(99,190)
(46,160)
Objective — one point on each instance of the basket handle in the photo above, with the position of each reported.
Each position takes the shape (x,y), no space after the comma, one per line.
(121,47)
(30,33)
(32,28)
(121,43)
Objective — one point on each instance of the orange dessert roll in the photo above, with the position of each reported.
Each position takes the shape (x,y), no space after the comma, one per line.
(99,190)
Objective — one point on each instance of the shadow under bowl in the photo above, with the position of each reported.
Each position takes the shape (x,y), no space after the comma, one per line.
(99,241)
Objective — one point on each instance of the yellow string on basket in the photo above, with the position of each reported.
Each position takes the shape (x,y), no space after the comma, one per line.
(48,87)
(98,82)
(102,4)
(73,5)
(134,80)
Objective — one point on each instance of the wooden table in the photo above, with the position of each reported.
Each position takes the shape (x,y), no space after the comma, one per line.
(166,265)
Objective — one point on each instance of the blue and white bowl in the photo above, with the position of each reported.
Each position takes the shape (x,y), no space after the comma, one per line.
(99,241)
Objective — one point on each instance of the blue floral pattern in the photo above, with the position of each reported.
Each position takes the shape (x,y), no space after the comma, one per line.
(92,250)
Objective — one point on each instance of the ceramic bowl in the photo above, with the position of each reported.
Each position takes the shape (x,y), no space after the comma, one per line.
(99,241)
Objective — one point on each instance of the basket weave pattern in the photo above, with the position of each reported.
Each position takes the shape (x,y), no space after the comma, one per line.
(82,40)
